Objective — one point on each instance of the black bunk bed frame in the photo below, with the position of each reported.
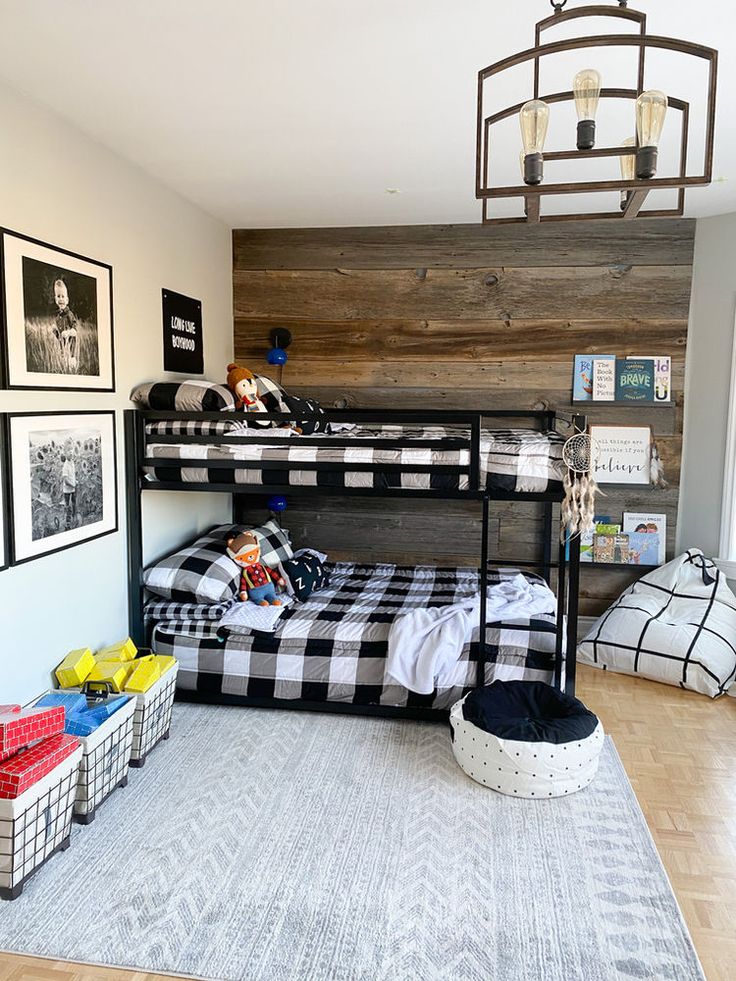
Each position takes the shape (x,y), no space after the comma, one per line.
(566,564)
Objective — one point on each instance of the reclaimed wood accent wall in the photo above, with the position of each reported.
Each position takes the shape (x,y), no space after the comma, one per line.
(465,316)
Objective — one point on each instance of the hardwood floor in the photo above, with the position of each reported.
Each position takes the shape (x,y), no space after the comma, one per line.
(679,750)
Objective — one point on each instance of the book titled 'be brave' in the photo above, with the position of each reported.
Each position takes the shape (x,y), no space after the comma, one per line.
(634,380)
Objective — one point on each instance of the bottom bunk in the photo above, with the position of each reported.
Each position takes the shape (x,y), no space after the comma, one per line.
(330,652)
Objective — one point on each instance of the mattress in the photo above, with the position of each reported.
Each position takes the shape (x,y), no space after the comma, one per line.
(333,647)
(512,460)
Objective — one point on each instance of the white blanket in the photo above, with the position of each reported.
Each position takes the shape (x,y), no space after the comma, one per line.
(246,616)
(424,643)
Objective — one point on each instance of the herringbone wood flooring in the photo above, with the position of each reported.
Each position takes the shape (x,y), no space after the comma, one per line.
(679,750)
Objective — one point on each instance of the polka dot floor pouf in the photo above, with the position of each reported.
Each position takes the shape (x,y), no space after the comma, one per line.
(526,739)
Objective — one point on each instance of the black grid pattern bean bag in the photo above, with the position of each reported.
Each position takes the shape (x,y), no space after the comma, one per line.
(526,739)
(676,625)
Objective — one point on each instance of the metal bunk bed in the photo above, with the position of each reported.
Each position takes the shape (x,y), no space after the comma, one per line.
(562,569)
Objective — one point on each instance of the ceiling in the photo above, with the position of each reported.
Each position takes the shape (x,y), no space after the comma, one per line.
(274,113)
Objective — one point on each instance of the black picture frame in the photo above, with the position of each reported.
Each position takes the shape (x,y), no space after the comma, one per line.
(17,556)
(4,503)
(14,321)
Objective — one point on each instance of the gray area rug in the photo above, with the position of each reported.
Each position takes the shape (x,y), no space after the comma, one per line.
(285,845)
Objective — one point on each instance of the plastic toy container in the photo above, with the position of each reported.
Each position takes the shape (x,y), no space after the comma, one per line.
(152,718)
(37,824)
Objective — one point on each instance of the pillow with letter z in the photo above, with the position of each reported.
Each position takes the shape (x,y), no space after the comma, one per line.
(304,574)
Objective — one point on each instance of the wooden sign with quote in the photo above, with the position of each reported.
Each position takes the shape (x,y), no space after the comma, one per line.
(622,454)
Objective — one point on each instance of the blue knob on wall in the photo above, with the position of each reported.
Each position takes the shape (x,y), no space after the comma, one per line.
(276,503)
(276,356)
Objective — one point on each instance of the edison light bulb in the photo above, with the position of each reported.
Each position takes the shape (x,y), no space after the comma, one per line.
(534,120)
(586,88)
(651,109)
(628,168)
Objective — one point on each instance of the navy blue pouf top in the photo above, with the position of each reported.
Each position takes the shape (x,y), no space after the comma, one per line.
(529,711)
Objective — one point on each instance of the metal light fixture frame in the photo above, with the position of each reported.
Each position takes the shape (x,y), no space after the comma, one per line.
(637,189)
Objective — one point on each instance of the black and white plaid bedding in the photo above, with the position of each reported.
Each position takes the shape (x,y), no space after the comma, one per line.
(333,647)
(515,460)
(192,395)
(157,610)
(203,573)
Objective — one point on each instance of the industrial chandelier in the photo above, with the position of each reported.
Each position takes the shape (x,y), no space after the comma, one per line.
(636,166)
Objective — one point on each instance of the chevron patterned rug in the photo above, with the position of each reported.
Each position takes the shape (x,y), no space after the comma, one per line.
(268,845)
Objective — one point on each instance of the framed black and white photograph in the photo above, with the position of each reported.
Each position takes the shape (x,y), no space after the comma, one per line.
(57,318)
(63,480)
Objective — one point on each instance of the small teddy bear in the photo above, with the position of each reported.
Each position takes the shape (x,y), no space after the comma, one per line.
(257,582)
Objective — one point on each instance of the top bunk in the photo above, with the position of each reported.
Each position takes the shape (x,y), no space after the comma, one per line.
(501,454)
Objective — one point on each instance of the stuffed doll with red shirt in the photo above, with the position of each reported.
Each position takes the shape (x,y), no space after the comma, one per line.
(257,582)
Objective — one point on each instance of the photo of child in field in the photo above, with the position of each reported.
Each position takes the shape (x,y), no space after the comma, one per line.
(66,480)
(60,316)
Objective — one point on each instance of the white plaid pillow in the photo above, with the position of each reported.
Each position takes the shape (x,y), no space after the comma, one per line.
(192,395)
(274,542)
(202,572)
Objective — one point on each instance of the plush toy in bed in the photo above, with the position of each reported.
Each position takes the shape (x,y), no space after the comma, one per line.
(243,385)
(257,581)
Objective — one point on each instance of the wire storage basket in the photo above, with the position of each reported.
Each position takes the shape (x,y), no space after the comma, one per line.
(37,824)
(152,717)
(105,762)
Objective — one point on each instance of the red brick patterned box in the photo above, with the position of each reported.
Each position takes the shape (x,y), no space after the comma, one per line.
(20,727)
(31,764)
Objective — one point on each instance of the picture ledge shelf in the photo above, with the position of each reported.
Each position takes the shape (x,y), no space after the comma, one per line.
(643,403)
(618,565)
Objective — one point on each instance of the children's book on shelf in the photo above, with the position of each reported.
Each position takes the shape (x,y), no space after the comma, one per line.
(643,548)
(611,549)
(582,381)
(642,522)
(604,379)
(603,525)
(607,528)
(662,378)
(634,380)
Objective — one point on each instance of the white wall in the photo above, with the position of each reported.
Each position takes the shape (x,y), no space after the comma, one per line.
(58,186)
(710,342)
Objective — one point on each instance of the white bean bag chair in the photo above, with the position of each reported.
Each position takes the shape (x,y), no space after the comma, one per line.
(676,625)
(526,739)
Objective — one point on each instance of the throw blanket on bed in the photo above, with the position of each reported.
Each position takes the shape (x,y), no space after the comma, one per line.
(246,616)
(424,643)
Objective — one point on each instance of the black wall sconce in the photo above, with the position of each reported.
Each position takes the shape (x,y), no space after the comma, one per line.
(280,339)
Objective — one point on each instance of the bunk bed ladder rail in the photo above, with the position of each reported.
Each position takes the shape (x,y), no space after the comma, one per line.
(567,628)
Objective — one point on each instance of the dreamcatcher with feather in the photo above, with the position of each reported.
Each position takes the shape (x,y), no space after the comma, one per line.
(579,454)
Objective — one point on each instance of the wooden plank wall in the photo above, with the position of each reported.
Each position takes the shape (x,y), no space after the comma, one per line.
(456,316)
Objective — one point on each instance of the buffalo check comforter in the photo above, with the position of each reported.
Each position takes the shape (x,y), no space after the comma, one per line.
(333,647)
